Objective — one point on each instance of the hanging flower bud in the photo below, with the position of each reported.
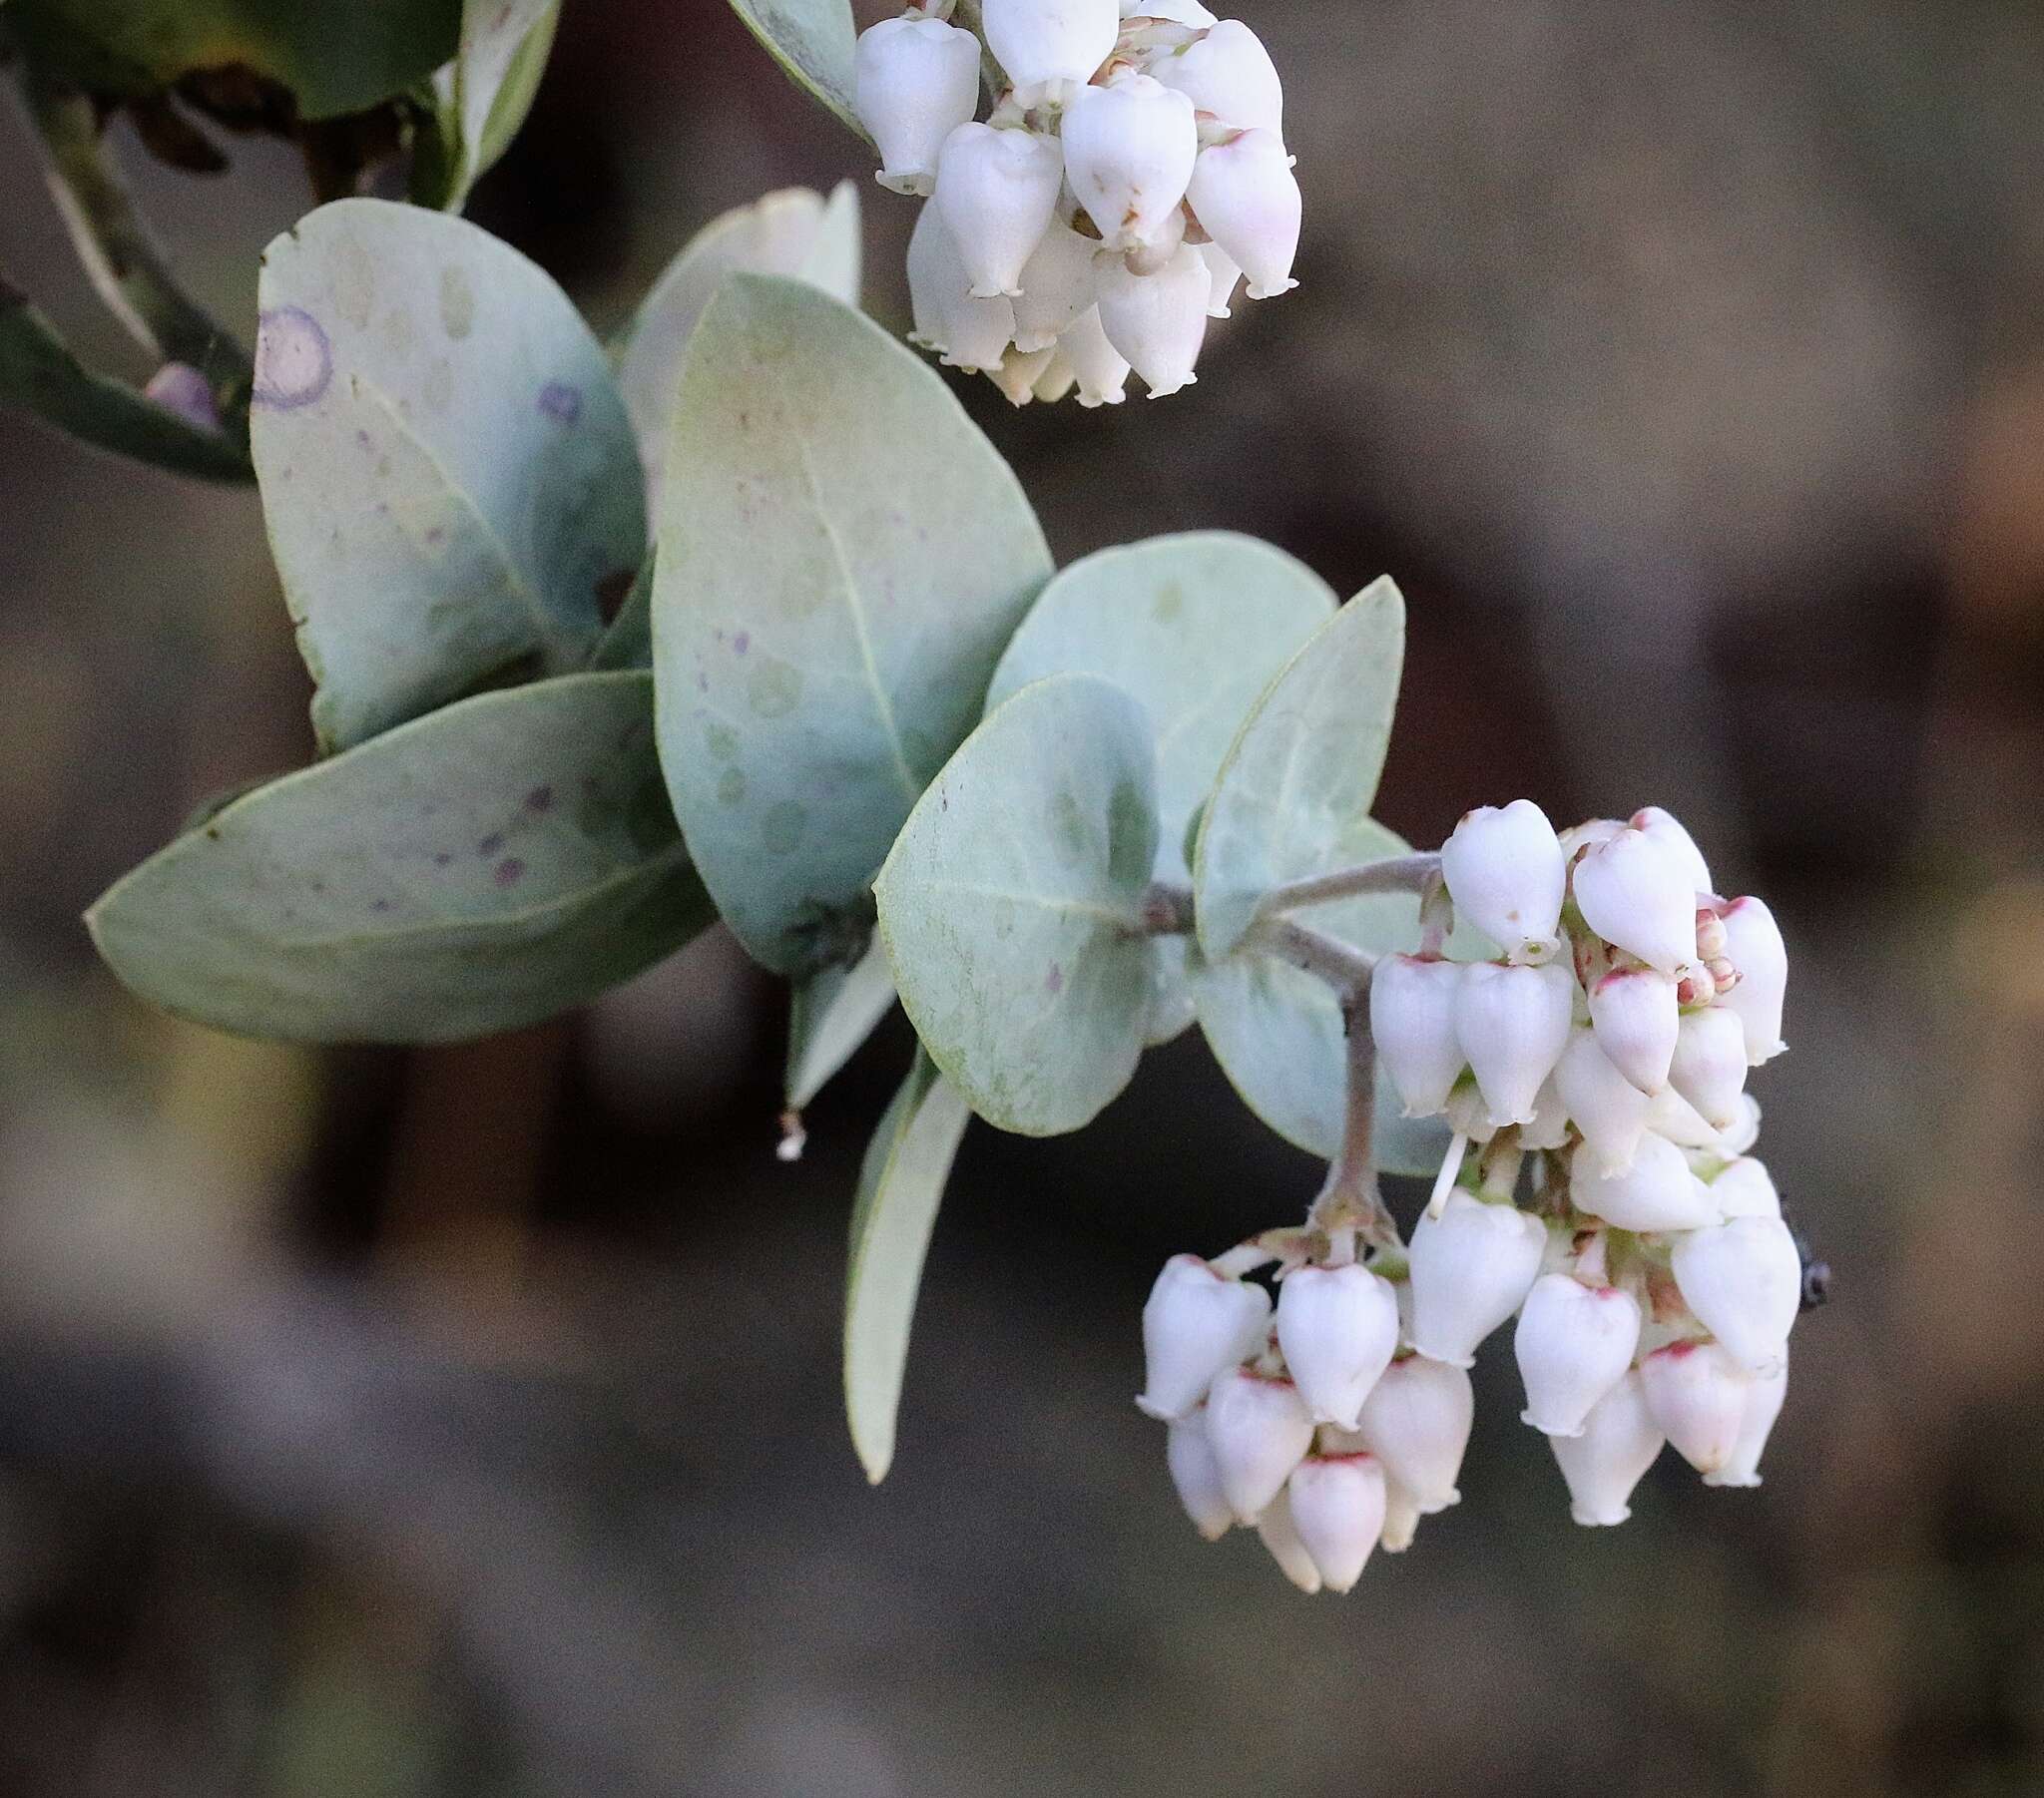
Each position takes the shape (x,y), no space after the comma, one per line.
(1744,1281)
(1057,286)
(1636,1016)
(1672,1116)
(1046,46)
(1504,871)
(1337,1327)
(1195,1323)
(1128,150)
(915,81)
(1666,829)
(1337,1507)
(1574,1343)
(1634,893)
(1709,1066)
(1469,1116)
(1743,1132)
(1173,12)
(966,332)
(1156,321)
(1226,277)
(1279,1533)
(1548,1128)
(1619,1441)
(1607,1107)
(1195,1475)
(1019,372)
(1259,1432)
(1058,377)
(1756,1425)
(997,189)
(1657,1192)
(1417,1421)
(1246,199)
(1753,944)
(1401,1518)
(1471,1266)
(1513,1023)
(1697,1394)
(1228,76)
(1098,367)
(1412,1019)
(1743,1187)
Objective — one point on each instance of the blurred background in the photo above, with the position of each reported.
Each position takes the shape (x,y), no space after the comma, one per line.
(467,1420)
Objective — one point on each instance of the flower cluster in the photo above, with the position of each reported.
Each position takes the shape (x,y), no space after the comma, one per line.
(1130,173)
(1598,1063)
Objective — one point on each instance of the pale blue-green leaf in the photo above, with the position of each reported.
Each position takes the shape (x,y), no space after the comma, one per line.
(843,559)
(790,231)
(1305,767)
(833,1013)
(447,472)
(1196,627)
(503,54)
(812,40)
(627,641)
(1011,904)
(900,1186)
(508,856)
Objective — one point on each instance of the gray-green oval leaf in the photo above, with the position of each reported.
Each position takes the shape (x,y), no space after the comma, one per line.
(1011,905)
(791,232)
(1304,768)
(812,40)
(507,857)
(842,557)
(831,1014)
(485,93)
(1276,1030)
(900,1186)
(447,472)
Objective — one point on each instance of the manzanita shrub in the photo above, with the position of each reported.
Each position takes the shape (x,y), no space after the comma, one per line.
(740,618)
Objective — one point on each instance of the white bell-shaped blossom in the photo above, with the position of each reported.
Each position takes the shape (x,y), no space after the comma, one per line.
(1607,1107)
(1754,945)
(1634,893)
(1666,829)
(1636,1016)
(1280,1533)
(1743,1187)
(1058,379)
(1197,1476)
(1743,1280)
(1467,1114)
(1548,1128)
(1412,1022)
(1401,1518)
(1129,153)
(1048,46)
(967,332)
(1228,76)
(1098,366)
(1057,286)
(1505,870)
(1708,1064)
(1696,1392)
(1743,1132)
(1173,12)
(1620,1441)
(1574,1343)
(1672,1116)
(1657,1192)
(1755,1424)
(1514,1024)
(997,188)
(1417,1421)
(1337,1328)
(915,82)
(1470,1268)
(1019,372)
(1246,199)
(1259,1431)
(1338,1508)
(1195,1322)
(1156,321)
(1226,277)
